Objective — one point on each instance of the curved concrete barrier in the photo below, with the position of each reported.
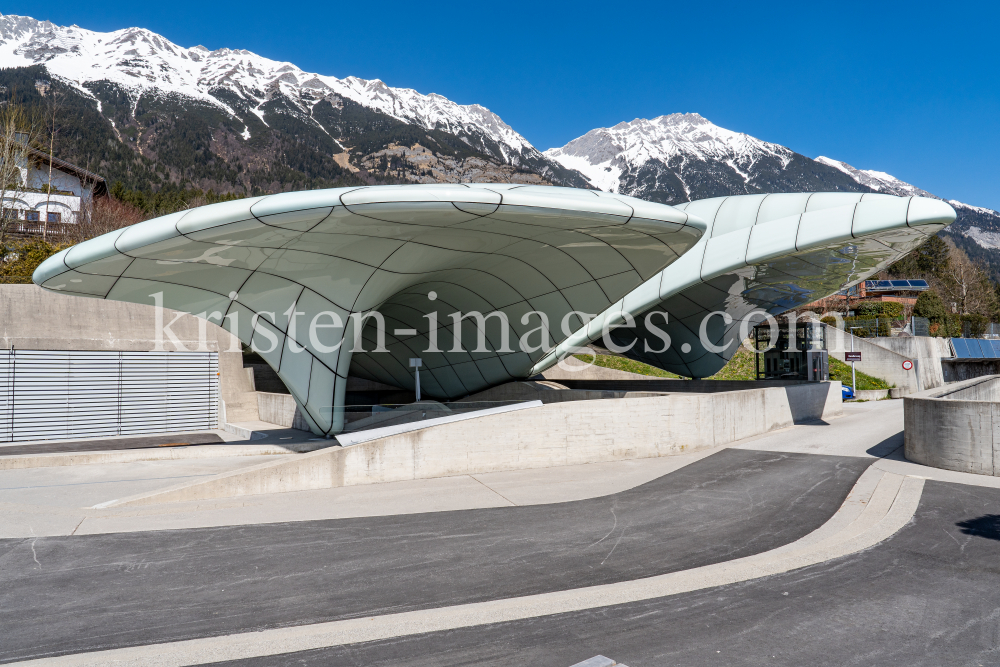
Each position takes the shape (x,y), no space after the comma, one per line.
(550,435)
(953,427)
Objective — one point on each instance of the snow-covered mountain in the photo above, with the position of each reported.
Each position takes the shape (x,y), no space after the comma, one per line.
(153,113)
(607,154)
(142,62)
(684,156)
(878,181)
(679,157)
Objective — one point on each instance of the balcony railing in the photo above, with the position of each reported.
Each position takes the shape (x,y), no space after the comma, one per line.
(28,228)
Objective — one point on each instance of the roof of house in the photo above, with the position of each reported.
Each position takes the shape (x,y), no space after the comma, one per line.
(100,185)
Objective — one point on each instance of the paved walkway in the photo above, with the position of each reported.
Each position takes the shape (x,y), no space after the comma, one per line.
(72,492)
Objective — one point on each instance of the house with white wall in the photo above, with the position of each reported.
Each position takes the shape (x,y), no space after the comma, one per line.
(36,205)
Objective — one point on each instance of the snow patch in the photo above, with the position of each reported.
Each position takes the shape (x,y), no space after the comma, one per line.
(988,240)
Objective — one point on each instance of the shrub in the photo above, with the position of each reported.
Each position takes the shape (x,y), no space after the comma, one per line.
(868,327)
(18,260)
(930,305)
(974,325)
(869,310)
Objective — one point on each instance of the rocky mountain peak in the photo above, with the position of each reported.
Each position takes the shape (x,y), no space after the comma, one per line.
(143,62)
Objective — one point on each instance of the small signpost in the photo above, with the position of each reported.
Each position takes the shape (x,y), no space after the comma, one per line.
(853,356)
(416,363)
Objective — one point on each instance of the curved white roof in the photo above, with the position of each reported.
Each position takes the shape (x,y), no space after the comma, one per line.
(267,267)
(763,254)
(281,271)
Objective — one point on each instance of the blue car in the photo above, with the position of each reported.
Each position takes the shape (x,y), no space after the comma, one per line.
(846,392)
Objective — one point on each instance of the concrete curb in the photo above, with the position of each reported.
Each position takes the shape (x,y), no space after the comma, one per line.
(871,394)
(243,433)
(879,505)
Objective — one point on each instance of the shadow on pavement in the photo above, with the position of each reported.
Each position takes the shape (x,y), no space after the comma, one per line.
(987,525)
(888,446)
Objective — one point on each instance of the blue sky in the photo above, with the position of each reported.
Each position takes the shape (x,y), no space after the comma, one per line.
(907,88)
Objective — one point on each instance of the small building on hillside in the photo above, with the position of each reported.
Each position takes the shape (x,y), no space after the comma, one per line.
(34,207)
(901,291)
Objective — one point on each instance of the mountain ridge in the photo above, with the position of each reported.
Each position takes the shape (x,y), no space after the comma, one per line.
(153,114)
(137,69)
(682,156)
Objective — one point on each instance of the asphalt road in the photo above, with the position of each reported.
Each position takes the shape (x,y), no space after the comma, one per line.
(930,595)
(72,594)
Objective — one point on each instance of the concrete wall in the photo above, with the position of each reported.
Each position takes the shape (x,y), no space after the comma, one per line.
(548,392)
(980,389)
(926,350)
(955,428)
(34,319)
(551,435)
(280,409)
(880,362)
(679,386)
(957,370)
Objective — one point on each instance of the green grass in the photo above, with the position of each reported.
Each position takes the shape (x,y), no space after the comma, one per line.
(740,367)
(841,371)
(627,365)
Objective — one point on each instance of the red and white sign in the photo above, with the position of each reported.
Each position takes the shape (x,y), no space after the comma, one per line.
(907,365)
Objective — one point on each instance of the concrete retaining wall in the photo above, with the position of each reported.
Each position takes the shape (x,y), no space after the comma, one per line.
(34,319)
(280,409)
(550,435)
(956,427)
(926,351)
(881,362)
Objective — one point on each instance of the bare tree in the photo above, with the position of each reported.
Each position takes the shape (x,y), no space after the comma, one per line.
(106,215)
(52,109)
(966,288)
(19,129)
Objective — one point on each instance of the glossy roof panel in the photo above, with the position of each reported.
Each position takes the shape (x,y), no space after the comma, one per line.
(271,267)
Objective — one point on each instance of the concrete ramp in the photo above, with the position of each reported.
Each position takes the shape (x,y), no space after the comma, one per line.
(550,435)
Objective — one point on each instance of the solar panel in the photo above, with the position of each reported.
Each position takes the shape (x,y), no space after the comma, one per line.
(884,284)
(977,350)
(961,347)
(921,284)
(995,344)
(900,283)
